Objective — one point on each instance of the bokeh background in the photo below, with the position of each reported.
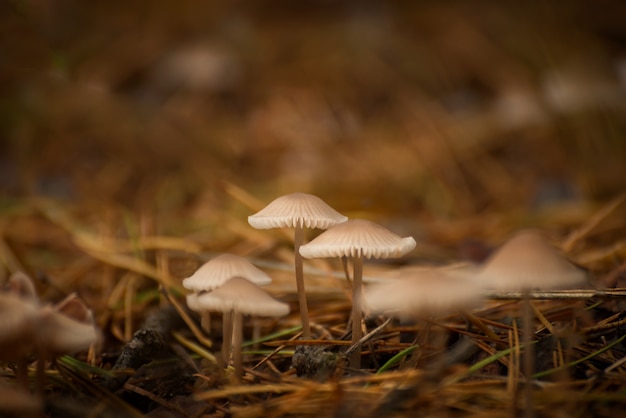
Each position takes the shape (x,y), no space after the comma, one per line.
(437,118)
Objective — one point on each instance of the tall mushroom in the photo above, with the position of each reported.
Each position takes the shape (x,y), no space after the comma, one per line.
(238,296)
(357,239)
(527,261)
(297,210)
(212,275)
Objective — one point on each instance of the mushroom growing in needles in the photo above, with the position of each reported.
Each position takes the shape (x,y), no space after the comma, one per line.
(297,210)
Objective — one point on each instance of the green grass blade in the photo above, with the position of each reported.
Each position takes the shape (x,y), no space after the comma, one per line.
(273,336)
(396,359)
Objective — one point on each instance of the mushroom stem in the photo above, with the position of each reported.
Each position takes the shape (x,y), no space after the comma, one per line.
(529,353)
(40,376)
(227,335)
(21,373)
(237,342)
(357,290)
(205,321)
(304,311)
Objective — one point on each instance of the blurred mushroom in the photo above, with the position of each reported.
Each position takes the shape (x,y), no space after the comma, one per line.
(297,210)
(63,329)
(241,297)
(357,239)
(428,291)
(60,334)
(424,294)
(527,261)
(26,327)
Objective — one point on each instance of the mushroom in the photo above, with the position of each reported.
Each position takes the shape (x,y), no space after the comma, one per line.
(217,270)
(427,291)
(60,334)
(527,261)
(213,274)
(357,238)
(238,296)
(27,327)
(423,294)
(297,210)
(65,328)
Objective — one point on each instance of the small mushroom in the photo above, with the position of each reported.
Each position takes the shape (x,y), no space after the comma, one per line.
(217,270)
(66,328)
(427,291)
(297,210)
(526,261)
(423,293)
(60,334)
(26,327)
(213,274)
(357,239)
(238,296)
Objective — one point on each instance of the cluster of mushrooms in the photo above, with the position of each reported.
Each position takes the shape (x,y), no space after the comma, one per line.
(29,327)
(231,284)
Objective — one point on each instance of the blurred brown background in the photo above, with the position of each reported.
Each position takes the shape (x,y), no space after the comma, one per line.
(438,110)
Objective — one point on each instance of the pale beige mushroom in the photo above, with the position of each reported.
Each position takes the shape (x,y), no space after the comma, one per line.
(297,210)
(217,270)
(26,327)
(357,239)
(238,296)
(424,292)
(527,261)
(213,274)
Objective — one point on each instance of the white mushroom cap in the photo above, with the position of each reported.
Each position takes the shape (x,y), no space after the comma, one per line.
(357,237)
(216,271)
(192,302)
(528,261)
(241,295)
(59,333)
(296,209)
(424,292)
